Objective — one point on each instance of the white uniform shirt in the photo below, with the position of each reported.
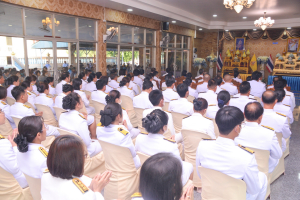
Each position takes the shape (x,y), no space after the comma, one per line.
(257,88)
(111,135)
(170,120)
(8,161)
(124,90)
(157,79)
(99,96)
(51,90)
(164,85)
(138,81)
(59,87)
(212,110)
(32,163)
(292,96)
(108,89)
(202,87)
(284,109)
(197,122)
(210,96)
(240,102)
(154,85)
(238,80)
(34,89)
(193,92)
(218,90)
(182,106)
(287,100)
(169,95)
(152,144)
(6,109)
(200,76)
(84,82)
(142,101)
(255,136)
(58,188)
(134,87)
(119,79)
(91,86)
(9,89)
(114,84)
(31,98)
(45,100)
(270,86)
(232,89)
(224,156)
(75,122)
(86,102)
(59,100)
(142,76)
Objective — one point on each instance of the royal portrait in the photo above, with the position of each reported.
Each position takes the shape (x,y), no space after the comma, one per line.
(240,43)
(292,44)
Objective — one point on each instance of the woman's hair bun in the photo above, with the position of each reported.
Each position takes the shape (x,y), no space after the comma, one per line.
(106,116)
(220,103)
(197,103)
(109,99)
(122,83)
(152,123)
(22,143)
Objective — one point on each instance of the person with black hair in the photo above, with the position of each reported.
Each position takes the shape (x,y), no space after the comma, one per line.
(107,87)
(157,99)
(197,121)
(91,85)
(114,96)
(200,75)
(2,80)
(113,83)
(67,89)
(225,156)
(12,82)
(83,77)
(275,120)
(219,81)
(182,105)
(34,83)
(77,84)
(228,86)
(210,95)
(99,75)
(257,87)
(44,97)
(169,93)
(289,96)
(283,108)
(142,72)
(142,100)
(122,74)
(275,78)
(154,141)
(32,155)
(202,86)
(50,82)
(5,108)
(124,88)
(183,73)
(164,85)
(258,136)
(237,77)
(31,94)
(223,99)
(189,75)
(249,78)
(136,78)
(243,98)
(78,123)
(65,79)
(99,95)
(136,89)
(156,76)
(149,77)
(192,91)
(109,130)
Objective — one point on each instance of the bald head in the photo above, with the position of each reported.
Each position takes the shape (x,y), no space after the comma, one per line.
(227,78)
(206,77)
(253,111)
(269,97)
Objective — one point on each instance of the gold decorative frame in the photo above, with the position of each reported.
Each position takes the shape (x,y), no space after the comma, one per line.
(287,45)
(239,38)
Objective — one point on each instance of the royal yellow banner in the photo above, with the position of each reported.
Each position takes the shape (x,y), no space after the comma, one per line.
(253,63)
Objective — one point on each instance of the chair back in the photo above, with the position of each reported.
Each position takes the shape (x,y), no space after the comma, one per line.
(58,112)
(219,186)
(9,186)
(30,105)
(216,128)
(280,168)
(191,140)
(6,129)
(83,109)
(10,100)
(34,186)
(279,138)
(139,89)
(16,120)
(139,116)
(125,178)
(47,143)
(166,106)
(177,120)
(48,115)
(88,94)
(127,103)
(98,107)
(257,99)
(190,98)
(168,134)
(143,157)
(262,159)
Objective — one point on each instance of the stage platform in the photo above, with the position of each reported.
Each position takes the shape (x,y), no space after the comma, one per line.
(292,81)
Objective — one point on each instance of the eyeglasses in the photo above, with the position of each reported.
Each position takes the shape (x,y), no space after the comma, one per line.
(242,125)
(85,155)
(46,127)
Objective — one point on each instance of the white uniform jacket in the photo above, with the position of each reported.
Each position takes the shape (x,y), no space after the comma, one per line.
(193,92)
(59,87)
(111,134)
(259,137)
(218,90)
(138,81)
(238,80)
(257,88)
(241,102)
(134,87)
(114,84)
(202,88)
(59,100)
(91,86)
(86,102)
(58,188)
(9,89)
(99,96)
(182,106)
(170,94)
(45,100)
(232,89)
(288,101)
(6,109)
(124,90)
(31,98)
(284,109)
(84,82)
(151,144)
(292,96)
(119,79)
(76,123)
(210,96)
(52,90)
(212,110)
(142,101)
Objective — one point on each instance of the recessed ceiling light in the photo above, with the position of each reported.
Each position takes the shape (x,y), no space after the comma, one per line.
(9,25)
(173,22)
(129,10)
(255,29)
(289,28)
(244,17)
(200,29)
(25,16)
(215,15)
(90,26)
(226,30)
(58,30)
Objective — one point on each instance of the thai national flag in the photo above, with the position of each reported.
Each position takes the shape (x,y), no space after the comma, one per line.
(270,65)
(219,63)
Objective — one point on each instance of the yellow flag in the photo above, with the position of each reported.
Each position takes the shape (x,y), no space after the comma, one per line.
(253,63)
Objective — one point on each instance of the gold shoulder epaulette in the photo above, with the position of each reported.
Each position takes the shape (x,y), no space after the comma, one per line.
(167,111)
(144,133)
(1,137)
(234,97)
(49,96)
(281,114)
(100,124)
(287,105)
(208,139)
(208,118)
(170,140)
(81,90)
(130,88)
(82,116)
(185,117)
(123,108)
(3,103)
(80,185)
(46,171)
(212,105)
(43,151)
(288,95)
(137,194)
(52,86)
(268,127)
(26,106)
(123,131)
(173,99)
(246,149)
(28,93)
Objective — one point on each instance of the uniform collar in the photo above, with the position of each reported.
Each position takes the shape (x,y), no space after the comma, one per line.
(197,114)
(145,93)
(252,124)
(268,110)
(157,135)
(19,103)
(156,107)
(34,146)
(62,94)
(279,103)
(182,99)
(244,97)
(63,82)
(210,91)
(225,141)
(169,89)
(42,94)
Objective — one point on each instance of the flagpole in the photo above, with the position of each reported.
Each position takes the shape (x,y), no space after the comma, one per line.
(217,50)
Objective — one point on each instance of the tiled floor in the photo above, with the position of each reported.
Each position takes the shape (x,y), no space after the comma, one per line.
(286,187)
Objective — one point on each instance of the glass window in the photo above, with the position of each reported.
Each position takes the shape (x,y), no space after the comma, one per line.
(65,27)
(185,58)
(150,37)
(185,42)
(38,23)
(67,58)
(111,57)
(171,59)
(178,41)
(112,32)
(10,20)
(149,59)
(86,29)
(126,58)
(138,56)
(178,63)
(126,34)
(163,58)
(87,56)
(138,35)
(172,40)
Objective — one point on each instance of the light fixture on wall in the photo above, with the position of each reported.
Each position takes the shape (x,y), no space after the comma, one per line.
(200,29)
(174,22)
(238,5)
(47,22)
(129,10)
(264,22)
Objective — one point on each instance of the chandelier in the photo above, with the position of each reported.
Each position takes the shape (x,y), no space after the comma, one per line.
(238,5)
(47,22)
(264,22)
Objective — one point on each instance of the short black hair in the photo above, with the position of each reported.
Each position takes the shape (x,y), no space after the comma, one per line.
(200,104)
(182,89)
(124,81)
(189,75)
(17,91)
(109,114)
(256,75)
(142,71)
(275,78)
(155,73)
(77,82)
(169,81)
(28,78)
(42,87)
(183,73)
(218,80)
(81,75)
(98,74)
(100,84)
(279,84)
(122,72)
(67,88)
(235,74)
(113,76)
(155,97)
(3,92)
(64,76)
(227,118)
(188,81)
(201,71)
(223,98)
(105,79)
(269,97)
(249,78)
(26,84)
(70,101)
(280,93)
(49,80)
(112,96)
(10,80)
(147,85)
(245,87)
(253,111)
(136,72)
(155,121)
(211,84)
(91,77)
